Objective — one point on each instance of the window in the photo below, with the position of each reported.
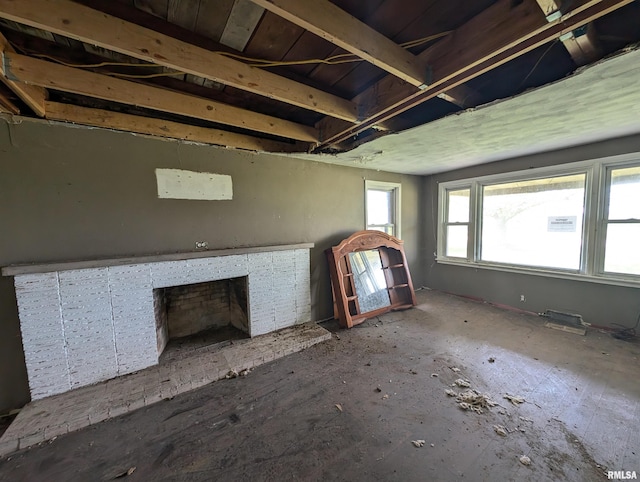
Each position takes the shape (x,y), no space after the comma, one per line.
(534,223)
(577,220)
(622,246)
(457,223)
(382,205)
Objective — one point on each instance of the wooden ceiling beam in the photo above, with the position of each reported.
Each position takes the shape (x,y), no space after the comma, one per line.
(21,68)
(582,48)
(79,22)
(501,33)
(463,96)
(333,24)
(6,105)
(162,128)
(31,95)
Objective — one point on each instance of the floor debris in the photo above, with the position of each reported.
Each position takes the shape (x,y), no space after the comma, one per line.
(418,443)
(435,375)
(339,407)
(126,473)
(515,399)
(474,401)
(235,374)
(462,383)
(451,393)
(455,369)
(500,430)
(524,460)
(492,360)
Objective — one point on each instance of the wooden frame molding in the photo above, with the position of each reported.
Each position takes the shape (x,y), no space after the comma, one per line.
(162,128)
(484,43)
(31,95)
(347,302)
(76,21)
(68,79)
(328,21)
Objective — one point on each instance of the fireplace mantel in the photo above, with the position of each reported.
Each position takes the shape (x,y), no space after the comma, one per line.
(83,322)
(18,269)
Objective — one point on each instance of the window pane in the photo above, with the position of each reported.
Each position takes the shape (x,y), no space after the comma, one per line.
(379,207)
(534,223)
(457,241)
(385,229)
(624,197)
(458,203)
(621,251)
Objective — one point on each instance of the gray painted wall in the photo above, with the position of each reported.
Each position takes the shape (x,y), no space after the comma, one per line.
(599,304)
(70,193)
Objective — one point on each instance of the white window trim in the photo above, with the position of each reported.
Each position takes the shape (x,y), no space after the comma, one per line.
(394,187)
(593,247)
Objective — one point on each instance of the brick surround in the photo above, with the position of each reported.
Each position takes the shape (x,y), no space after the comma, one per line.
(82,326)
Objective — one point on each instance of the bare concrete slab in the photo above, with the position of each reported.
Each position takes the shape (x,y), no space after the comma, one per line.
(349,409)
(50,417)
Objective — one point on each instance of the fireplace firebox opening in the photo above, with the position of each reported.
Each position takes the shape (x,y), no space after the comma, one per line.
(202,314)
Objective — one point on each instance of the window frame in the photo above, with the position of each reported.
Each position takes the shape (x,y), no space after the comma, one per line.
(594,224)
(446,224)
(395,189)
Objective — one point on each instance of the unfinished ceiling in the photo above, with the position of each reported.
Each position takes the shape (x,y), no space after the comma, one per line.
(295,76)
(600,102)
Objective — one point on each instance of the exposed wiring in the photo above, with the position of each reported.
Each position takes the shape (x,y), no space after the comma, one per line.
(145,76)
(538,63)
(251,61)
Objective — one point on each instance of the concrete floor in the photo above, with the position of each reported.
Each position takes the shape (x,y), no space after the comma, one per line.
(348,409)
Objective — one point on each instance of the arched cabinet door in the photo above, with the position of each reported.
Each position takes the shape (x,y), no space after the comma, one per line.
(369,276)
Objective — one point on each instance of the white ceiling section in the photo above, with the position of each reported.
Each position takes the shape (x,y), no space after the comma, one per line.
(599,102)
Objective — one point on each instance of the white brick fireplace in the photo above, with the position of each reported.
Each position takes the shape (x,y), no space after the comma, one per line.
(85,322)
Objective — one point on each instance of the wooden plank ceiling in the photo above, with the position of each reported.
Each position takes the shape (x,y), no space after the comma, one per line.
(290,75)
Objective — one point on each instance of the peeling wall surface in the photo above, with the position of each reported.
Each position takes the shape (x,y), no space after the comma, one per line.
(69,193)
(598,303)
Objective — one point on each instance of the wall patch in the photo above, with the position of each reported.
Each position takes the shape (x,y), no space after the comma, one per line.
(202,186)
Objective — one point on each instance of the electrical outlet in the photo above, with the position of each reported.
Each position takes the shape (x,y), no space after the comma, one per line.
(522,298)
(202,245)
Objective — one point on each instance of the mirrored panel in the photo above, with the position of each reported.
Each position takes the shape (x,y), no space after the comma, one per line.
(370,283)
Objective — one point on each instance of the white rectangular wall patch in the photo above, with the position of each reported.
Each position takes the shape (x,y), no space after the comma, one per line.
(202,186)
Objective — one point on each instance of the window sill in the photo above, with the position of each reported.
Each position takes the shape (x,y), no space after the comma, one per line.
(601,279)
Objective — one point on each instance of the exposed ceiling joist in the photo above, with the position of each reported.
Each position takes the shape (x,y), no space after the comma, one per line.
(582,48)
(70,19)
(6,106)
(67,79)
(328,21)
(31,95)
(463,96)
(163,128)
(496,36)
